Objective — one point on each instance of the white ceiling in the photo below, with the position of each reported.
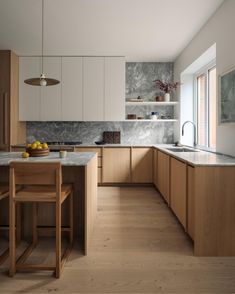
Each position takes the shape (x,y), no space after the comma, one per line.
(141,30)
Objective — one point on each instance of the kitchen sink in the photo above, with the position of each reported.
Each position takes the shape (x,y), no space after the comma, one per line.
(181,150)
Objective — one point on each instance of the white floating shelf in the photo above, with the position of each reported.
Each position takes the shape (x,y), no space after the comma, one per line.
(153,120)
(152,103)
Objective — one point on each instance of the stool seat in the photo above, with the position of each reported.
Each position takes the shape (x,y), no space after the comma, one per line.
(39,193)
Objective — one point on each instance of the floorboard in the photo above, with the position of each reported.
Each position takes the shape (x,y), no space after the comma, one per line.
(138,247)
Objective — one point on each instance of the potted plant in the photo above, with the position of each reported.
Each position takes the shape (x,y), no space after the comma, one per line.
(167,88)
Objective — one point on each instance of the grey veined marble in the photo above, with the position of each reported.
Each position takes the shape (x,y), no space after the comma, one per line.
(88,132)
(140,77)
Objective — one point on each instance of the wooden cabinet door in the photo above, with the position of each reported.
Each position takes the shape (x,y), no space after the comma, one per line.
(114,99)
(51,96)
(93,88)
(155,172)
(142,165)
(178,189)
(72,89)
(163,171)
(29,96)
(116,165)
(191,202)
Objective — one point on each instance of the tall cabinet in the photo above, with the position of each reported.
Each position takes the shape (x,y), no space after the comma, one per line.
(114,88)
(93,88)
(11,130)
(51,96)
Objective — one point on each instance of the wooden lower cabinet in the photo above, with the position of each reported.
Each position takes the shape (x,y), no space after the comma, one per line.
(191,201)
(178,189)
(90,149)
(99,163)
(142,165)
(116,165)
(17,149)
(99,175)
(155,172)
(163,172)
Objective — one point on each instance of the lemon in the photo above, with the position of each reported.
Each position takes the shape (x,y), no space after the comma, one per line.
(25,155)
(37,142)
(28,145)
(39,147)
(34,146)
(44,146)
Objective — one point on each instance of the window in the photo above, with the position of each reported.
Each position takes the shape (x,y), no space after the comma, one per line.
(205,110)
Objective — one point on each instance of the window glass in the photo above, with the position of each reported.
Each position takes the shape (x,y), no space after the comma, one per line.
(212,107)
(201,116)
(206,107)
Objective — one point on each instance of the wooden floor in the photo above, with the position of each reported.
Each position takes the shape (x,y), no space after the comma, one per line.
(138,247)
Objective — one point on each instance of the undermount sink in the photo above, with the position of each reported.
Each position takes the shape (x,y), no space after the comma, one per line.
(181,150)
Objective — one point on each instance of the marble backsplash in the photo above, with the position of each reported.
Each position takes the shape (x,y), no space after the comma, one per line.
(89,132)
(142,111)
(140,77)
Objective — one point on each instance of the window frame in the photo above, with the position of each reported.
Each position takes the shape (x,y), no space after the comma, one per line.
(203,71)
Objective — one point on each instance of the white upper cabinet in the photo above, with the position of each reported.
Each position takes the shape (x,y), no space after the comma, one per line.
(114,99)
(72,89)
(51,109)
(93,88)
(90,89)
(29,96)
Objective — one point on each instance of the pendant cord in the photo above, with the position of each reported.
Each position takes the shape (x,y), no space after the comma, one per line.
(42,33)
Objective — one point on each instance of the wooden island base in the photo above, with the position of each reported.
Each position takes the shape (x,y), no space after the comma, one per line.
(84,180)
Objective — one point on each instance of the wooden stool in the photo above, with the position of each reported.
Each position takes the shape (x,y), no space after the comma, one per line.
(42,183)
(4,193)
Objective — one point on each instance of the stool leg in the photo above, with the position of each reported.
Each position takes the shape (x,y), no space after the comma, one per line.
(58,239)
(18,223)
(35,219)
(12,241)
(71,219)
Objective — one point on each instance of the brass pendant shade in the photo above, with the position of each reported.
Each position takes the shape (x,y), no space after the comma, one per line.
(37,82)
(42,80)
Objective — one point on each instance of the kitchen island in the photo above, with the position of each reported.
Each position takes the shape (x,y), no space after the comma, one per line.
(79,169)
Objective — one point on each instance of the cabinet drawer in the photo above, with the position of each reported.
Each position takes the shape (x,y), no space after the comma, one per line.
(99,175)
(18,149)
(89,149)
(99,161)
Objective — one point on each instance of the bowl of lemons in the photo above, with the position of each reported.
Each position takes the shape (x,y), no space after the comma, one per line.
(36,149)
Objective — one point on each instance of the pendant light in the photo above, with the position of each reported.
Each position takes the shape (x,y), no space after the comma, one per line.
(42,80)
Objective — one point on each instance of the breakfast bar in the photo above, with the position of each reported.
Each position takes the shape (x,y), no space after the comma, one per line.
(78,169)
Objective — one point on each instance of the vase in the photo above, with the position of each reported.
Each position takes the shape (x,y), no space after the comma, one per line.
(167,97)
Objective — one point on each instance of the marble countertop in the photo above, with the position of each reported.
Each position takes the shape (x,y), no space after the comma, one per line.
(200,158)
(72,159)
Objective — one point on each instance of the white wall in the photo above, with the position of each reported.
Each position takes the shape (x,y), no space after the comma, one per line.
(186,109)
(220,30)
